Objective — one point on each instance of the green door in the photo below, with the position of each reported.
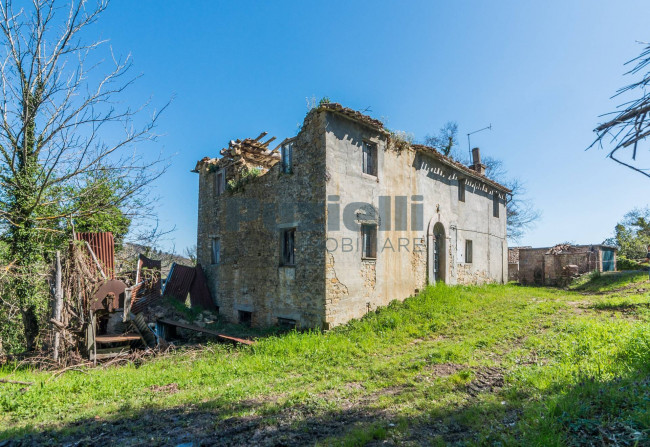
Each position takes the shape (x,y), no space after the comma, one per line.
(608,261)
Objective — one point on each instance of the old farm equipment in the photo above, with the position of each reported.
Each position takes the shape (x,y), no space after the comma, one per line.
(93,316)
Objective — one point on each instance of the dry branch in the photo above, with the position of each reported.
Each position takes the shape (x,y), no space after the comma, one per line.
(16,382)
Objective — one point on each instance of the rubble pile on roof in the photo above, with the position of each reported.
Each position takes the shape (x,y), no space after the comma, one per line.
(247,153)
(252,153)
(560,249)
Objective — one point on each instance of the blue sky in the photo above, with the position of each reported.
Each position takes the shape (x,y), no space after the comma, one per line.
(540,72)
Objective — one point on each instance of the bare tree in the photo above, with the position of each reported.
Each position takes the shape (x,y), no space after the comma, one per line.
(190,253)
(630,125)
(521,214)
(62,127)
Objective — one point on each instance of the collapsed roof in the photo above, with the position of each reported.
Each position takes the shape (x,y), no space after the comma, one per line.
(251,152)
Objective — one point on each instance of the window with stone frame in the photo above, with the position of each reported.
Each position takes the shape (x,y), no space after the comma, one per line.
(288,246)
(495,204)
(287,158)
(369,241)
(216,250)
(369,158)
(220,181)
(468,251)
(461,190)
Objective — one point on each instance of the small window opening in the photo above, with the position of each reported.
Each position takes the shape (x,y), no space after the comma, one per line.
(370,158)
(369,241)
(287,158)
(287,323)
(245,317)
(468,252)
(495,204)
(216,250)
(288,246)
(461,190)
(220,182)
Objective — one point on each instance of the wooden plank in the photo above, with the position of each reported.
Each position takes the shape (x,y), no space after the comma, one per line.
(111,355)
(206,331)
(58,305)
(110,338)
(260,136)
(269,141)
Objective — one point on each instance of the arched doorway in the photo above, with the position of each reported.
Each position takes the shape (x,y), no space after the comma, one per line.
(437,253)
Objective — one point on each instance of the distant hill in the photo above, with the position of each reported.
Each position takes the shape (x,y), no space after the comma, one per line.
(126,258)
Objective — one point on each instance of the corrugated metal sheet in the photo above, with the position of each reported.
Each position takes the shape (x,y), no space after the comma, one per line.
(142,297)
(199,292)
(103,245)
(150,264)
(147,290)
(179,281)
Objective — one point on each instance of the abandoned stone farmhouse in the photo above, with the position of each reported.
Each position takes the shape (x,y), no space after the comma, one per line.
(553,265)
(341,219)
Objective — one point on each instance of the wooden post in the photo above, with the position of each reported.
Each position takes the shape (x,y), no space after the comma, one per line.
(58,304)
(92,253)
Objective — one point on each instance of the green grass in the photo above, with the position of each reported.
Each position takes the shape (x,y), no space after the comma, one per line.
(571,367)
(608,281)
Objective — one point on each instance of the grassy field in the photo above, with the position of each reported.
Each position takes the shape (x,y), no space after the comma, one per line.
(489,365)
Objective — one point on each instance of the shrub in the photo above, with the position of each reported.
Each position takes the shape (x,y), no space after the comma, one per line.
(246,176)
(623,263)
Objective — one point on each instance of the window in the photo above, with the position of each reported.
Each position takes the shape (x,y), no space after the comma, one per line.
(245,317)
(369,158)
(288,246)
(220,182)
(368,241)
(287,158)
(461,190)
(468,251)
(287,323)
(495,204)
(216,250)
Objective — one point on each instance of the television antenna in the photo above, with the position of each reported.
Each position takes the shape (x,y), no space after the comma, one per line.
(469,145)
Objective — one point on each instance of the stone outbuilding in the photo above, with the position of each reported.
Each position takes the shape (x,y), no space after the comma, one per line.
(341,219)
(551,265)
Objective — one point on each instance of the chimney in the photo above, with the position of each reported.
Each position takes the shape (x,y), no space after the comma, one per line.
(476,161)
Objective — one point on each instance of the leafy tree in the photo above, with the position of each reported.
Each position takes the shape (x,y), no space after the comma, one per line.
(632,234)
(445,140)
(97,206)
(61,125)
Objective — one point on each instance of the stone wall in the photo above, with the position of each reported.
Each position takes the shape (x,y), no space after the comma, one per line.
(420,192)
(541,266)
(249,276)
(331,282)
(513,271)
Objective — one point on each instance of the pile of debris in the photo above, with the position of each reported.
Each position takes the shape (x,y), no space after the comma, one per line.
(561,249)
(98,314)
(244,155)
